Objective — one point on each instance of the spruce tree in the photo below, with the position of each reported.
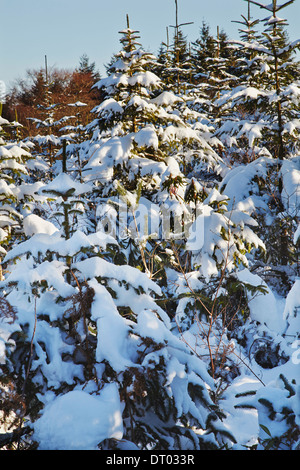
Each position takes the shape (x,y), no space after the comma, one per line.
(269,124)
(18,191)
(85,324)
(176,58)
(275,98)
(144,139)
(88,320)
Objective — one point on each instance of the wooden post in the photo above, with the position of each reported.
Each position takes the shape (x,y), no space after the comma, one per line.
(218,42)
(64,156)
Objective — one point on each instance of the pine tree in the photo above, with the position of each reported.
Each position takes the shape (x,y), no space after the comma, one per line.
(214,70)
(269,124)
(18,193)
(81,319)
(219,66)
(48,141)
(143,142)
(274,99)
(176,58)
(202,49)
(85,67)
(251,66)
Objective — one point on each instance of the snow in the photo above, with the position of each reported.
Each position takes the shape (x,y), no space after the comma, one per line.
(112,152)
(242,422)
(80,421)
(147,79)
(269,7)
(109,307)
(78,104)
(42,243)
(97,266)
(64,184)
(51,363)
(180,133)
(45,140)
(33,224)
(263,306)
(7,328)
(113,330)
(238,183)
(292,91)
(274,19)
(166,98)
(146,220)
(147,137)
(297,235)
(290,172)
(149,325)
(240,93)
(109,107)
(209,247)
(279,398)
(172,169)
(26,274)
(3,121)
(140,104)
(5,189)
(292,300)
(4,152)
(291,311)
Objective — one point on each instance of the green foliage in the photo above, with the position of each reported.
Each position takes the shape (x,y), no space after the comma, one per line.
(282,416)
(167,321)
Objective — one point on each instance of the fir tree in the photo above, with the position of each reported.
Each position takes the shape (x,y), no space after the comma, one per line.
(142,140)
(82,319)
(269,122)
(87,68)
(176,58)
(18,192)
(274,119)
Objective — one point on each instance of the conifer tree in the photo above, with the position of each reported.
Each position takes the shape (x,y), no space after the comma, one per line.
(214,70)
(176,58)
(18,192)
(202,49)
(219,66)
(47,141)
(269,124)
(142,141)
(86,68)
(84,321)
(151,262)
(274,99)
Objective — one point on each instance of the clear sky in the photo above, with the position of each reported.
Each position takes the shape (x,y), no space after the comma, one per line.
(66,29)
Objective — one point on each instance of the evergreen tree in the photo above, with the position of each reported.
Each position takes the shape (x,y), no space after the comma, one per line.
(202,48)
(220,66)
(176,58)
(46,124)
(143,141)
(150,295)
(84,320)
(87,68)
(269,124)
(18,193)
(275,98)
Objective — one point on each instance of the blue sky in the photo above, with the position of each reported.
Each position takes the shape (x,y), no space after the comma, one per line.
(65,29)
